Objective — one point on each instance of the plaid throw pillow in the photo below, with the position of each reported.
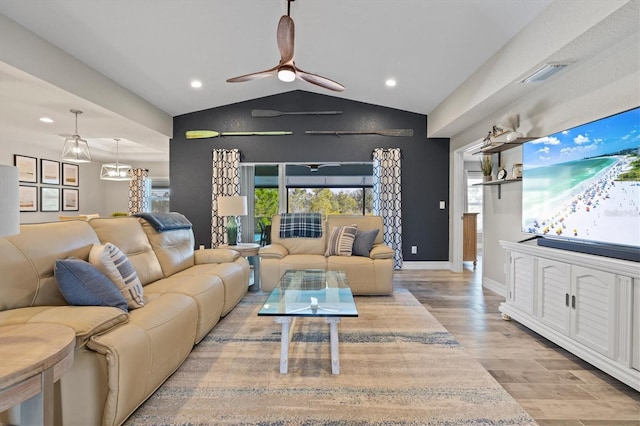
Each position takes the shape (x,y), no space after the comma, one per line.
(114,264)
(340,241)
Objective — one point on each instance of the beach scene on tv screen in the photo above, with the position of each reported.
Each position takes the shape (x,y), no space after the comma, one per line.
(584,182)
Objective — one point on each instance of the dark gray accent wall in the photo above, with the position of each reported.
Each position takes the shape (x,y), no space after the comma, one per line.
(425,162)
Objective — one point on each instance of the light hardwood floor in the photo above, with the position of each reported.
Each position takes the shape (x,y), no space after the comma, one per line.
(555,387)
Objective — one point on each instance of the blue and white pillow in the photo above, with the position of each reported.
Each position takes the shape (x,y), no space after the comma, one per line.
(82,284)
(115,265)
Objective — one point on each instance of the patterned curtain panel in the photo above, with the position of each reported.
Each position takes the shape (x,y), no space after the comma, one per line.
(139,191)
(387,197)
(225,181)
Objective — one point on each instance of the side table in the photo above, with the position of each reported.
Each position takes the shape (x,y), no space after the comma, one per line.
(33,356)
(250,251)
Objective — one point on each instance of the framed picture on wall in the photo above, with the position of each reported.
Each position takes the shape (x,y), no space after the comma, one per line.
(49,172)
(49,199)
(28,198)
(70,200)
(70,174)
(27,168)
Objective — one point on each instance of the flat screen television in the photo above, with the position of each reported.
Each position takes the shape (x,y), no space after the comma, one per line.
(581,187)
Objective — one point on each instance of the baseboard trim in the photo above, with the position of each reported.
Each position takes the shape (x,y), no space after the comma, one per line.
(494,286)
(426,265)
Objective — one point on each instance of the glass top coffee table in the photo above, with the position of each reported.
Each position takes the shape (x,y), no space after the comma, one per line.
(310,293)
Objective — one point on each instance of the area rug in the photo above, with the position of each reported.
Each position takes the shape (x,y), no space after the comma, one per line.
(399,366)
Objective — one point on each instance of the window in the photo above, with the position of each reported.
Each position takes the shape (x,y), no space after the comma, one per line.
(330,200)
(330,188)
(474,196)
(160,194)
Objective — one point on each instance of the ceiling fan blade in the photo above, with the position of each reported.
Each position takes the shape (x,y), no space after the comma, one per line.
(285,36)
(318,80)
(254,76)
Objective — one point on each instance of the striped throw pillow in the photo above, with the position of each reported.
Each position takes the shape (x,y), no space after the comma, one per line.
(340,241)
(115,264)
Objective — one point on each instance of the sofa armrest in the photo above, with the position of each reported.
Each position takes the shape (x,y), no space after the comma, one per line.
(86,321)
(273,251)
(381,251)
(216,255)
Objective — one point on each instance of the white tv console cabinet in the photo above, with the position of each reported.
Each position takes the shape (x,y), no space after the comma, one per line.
(587,304)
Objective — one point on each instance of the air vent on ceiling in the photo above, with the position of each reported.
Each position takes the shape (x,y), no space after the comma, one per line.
(544,72)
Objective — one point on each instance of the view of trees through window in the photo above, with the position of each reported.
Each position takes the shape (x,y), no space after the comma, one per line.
(330,200)
(266,204)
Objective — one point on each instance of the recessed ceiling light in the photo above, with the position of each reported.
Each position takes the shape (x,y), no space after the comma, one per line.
(196,84)
(46,120)
(390,82)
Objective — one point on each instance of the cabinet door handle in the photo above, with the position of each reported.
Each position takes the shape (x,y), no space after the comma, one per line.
(566,299)
(573,301)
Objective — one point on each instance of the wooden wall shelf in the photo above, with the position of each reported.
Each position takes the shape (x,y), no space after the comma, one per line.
(502,146)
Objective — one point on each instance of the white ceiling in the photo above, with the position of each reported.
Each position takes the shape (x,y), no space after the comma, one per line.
(153,48)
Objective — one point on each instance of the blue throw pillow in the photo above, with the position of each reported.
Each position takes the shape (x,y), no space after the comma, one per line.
(82,284)
(364,242)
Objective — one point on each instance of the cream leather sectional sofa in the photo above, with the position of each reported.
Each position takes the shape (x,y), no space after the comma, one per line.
(120,358)
(367,275)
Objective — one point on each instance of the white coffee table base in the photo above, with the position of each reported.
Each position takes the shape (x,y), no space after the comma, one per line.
(285,338)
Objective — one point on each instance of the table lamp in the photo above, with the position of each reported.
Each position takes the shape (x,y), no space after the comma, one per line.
(232,206)
(9,201)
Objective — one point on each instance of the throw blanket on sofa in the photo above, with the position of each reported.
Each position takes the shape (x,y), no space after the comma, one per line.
(165,221)
(300,225)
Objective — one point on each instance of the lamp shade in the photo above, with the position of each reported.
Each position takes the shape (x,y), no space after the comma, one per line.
(9,201)
(232,205)
(76,150)
(115,171)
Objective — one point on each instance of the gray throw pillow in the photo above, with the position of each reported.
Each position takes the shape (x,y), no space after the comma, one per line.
(82,284)
(364,242)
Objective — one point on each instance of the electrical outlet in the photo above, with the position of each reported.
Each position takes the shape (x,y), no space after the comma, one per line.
(414,249)
(442,205)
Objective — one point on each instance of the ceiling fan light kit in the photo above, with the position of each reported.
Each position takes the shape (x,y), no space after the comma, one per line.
(286,70)
(76,149)
(286,74)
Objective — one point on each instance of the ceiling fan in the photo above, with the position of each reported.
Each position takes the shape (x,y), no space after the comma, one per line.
(315,167)
(286,70)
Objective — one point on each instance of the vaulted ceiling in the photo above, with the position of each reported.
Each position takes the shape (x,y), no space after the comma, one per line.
(129,63)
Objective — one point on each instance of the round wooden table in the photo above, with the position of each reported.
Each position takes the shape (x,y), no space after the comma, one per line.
(33,356)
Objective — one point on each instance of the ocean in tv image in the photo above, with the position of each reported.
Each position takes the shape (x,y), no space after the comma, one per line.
(584,183)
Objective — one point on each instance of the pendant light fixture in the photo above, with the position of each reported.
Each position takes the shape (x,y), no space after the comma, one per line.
(116,171)
(76,149)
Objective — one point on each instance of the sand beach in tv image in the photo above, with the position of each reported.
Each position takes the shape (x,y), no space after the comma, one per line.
(584,199)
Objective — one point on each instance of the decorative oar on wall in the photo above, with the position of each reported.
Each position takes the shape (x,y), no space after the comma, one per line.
(274,113)
(385,132)
(203,134)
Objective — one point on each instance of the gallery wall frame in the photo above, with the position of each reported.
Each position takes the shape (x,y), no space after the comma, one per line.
(27,168)
(28,198)
(49,172)
(70,174)
(70,201)
(49,199)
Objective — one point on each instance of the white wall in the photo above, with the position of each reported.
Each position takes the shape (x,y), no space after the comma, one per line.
(605,84)
(95,195)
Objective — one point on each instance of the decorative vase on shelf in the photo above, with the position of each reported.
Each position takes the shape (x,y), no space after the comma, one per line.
(487,178)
